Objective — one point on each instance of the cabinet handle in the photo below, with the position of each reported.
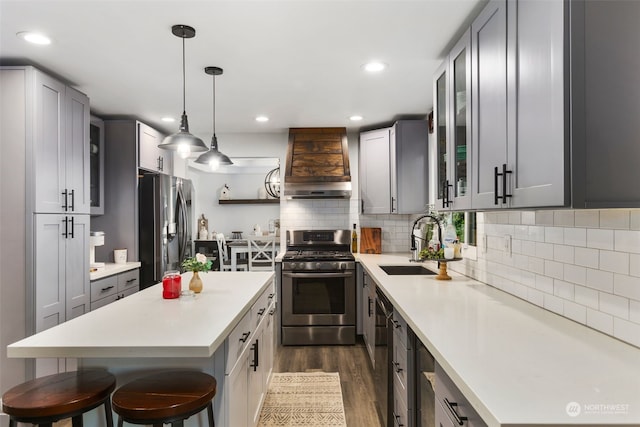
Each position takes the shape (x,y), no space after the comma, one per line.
(131,280)
(398,368)
(271,296)
(73,200)
(106,289)
(393,201)
(361,205)
(66,227)
(396,420)
(254,347)
(397,324)
(244,336)
(370,301)
(65,206)
(451,406)
(496,174)
(261,311)
(71,228)
(445,193)
(119,297)
(272,311)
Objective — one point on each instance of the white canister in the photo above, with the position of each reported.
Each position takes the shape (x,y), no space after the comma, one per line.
(120,256)
(448,253)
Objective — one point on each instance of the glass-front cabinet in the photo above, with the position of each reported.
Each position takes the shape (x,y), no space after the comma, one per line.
(452,84)
(96,161)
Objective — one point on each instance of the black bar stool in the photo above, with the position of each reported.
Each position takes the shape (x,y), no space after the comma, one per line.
(45,400)
(165,397)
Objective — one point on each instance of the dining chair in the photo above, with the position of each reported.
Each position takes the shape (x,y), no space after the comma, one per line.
(262,253)
(225,262)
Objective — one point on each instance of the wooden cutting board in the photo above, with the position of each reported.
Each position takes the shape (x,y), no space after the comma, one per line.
(370,240)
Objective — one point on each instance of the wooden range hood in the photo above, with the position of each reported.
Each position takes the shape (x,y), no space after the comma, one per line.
(317,164)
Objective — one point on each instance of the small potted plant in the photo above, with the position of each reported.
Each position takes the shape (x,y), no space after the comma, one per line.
(196,264)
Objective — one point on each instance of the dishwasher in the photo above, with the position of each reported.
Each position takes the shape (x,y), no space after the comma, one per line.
(383,357)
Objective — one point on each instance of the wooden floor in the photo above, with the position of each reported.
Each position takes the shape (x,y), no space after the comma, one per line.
(356,376)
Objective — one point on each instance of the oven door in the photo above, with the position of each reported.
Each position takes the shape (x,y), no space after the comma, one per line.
(318,298)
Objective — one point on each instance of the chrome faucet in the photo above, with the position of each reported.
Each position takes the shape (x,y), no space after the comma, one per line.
(415,256)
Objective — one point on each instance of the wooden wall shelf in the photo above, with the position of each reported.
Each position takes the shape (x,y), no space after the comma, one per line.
(248,201)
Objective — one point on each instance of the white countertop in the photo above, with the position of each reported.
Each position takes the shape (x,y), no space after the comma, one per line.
(518,365)
(146,325)
(111,268)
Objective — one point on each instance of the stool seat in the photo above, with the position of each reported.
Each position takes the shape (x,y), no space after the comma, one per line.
(70,394)
(165,397)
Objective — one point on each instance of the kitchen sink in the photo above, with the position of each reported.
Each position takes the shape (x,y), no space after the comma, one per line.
(406,270)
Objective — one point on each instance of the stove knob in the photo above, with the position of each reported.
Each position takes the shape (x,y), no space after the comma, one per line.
(318,265)
(343,266)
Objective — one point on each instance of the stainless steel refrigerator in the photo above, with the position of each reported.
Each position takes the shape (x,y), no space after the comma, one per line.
(165,225)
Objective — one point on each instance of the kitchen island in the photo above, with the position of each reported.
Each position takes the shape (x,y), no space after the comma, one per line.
(517,364)
(146,333)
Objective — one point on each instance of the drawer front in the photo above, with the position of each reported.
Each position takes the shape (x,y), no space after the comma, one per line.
(260,308)
(237,340)
(95,304)
(400,411)
(129,280)
(400,364)
(127,292)
(400,329)
(453,401)
(103,288)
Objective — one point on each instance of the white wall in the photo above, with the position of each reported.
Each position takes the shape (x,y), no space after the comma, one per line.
(581,264)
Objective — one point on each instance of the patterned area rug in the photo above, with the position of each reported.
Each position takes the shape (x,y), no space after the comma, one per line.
(311,399)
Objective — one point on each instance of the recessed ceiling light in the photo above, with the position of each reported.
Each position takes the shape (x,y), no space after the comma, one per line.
(33,37)
(374,66)
(168,119)
(262,119)
(355,118)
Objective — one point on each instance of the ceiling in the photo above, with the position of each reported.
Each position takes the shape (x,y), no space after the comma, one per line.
(297,62)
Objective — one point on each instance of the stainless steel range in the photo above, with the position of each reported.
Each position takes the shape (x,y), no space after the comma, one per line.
(318,288)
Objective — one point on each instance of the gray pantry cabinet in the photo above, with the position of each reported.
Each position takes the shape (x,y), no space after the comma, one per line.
(393,165)
(48,127)
(452,128)
(553,105)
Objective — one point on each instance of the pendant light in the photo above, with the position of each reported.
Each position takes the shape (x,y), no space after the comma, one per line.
(213,157)
(183,142)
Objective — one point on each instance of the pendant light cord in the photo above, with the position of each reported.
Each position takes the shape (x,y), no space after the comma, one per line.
(214,104)
(184,78)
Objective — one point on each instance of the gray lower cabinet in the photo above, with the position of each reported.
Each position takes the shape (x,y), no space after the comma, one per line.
(402,368)
(452,408)
(551,107)
(112,288)
(368,306)
(393,166)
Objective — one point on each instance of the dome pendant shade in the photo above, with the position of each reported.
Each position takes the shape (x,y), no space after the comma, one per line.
(213,157)
(183,142)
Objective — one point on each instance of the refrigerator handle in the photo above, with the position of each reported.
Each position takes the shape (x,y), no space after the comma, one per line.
(183,224)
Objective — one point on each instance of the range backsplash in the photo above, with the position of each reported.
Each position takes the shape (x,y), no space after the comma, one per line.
(581,264)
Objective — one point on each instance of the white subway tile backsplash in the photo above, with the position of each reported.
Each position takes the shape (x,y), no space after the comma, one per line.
(634,311)
(587,257)
(563,290)
(600,239)
(515,217)
(615,219)
(587,297)
(575,274)
(544,250)
(535,297)
(634,265)
(575,312)
(544,217)
(536,265)
(544,284)
(627,241)
(600,280)
(614,305)
(587,218)
(554,235)
(575,236)
(521,232)
(554,269)
(627,286)
(553,303)
(528,248)
(562,253)
(564,218)
(626,331)
(600,321)
(616,262)
(536,233)
(635,220)
(528,217)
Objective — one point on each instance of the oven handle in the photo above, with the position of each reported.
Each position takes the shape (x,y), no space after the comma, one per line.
(287,274)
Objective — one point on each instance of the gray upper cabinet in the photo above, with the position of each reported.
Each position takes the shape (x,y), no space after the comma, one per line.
(394,169)
(553,105)
(374,167)
(452,115)
(96,160)
(150,156)
(489,101)
(60,156)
